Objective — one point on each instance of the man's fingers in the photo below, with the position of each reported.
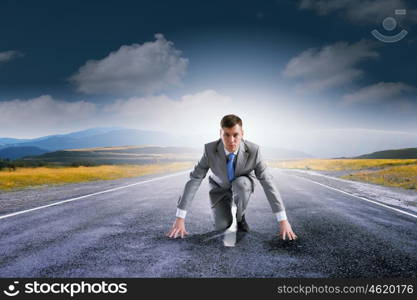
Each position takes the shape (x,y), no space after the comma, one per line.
(291,235)
(173,231)
(169,234)
(288,233)
(177,232)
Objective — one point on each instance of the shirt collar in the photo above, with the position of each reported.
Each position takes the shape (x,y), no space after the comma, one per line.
(235,153)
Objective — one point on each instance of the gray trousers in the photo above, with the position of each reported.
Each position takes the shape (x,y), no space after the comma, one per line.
(221,201)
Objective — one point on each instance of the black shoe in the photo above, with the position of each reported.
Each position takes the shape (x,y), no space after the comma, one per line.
(242,225)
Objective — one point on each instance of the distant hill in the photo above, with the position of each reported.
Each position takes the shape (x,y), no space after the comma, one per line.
(118,136)
(398,153)
(139,155)
(18,152)
(4,142)
(98,137)
(118,155)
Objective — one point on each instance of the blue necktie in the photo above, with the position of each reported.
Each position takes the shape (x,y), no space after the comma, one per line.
(230,169)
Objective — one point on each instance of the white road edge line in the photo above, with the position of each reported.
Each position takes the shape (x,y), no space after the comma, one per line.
(93,194)
(362,198)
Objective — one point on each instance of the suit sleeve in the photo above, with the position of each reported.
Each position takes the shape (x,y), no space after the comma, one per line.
(267,181)
(192,185)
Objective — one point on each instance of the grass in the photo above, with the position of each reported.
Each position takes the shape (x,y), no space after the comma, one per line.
(30,177)
(342,164)
(388,172)
(399,176)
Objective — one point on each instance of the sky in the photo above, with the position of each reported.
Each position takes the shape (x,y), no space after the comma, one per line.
(304,75)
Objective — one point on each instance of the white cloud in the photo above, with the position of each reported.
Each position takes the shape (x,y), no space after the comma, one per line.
(133,69)
(378,92)
(192,113)
(43,115)
(352,141)
(9,55)
(329,66)
(361,11)
(197,116)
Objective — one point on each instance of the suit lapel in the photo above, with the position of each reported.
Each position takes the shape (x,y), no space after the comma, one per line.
(222,158)
(242,157)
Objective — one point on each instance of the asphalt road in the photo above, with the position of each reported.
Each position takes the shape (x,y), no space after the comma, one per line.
(122,234)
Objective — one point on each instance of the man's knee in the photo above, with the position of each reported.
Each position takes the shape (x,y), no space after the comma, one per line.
(242,183)
(222,224)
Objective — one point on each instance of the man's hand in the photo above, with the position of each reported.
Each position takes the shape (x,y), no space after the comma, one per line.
(286,230)
(178,229)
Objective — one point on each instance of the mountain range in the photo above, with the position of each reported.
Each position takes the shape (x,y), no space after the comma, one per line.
(392,154)
(13,148)
(111,137)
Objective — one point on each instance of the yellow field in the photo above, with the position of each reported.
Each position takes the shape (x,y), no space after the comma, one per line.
(400,176)
(341,164)
(25,177)
(388,172)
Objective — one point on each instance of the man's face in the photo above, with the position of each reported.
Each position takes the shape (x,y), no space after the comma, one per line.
(231,137)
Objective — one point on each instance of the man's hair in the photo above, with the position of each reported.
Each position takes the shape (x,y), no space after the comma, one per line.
(229,121)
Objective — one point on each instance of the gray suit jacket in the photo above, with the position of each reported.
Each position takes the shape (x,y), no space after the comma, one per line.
(248,163)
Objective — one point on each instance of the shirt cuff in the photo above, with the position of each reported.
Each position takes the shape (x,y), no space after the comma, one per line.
(181,213)
(281,216)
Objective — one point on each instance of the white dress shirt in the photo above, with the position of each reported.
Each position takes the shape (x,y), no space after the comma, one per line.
(279,215)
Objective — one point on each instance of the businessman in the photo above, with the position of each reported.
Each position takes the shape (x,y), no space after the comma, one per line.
(234,163)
